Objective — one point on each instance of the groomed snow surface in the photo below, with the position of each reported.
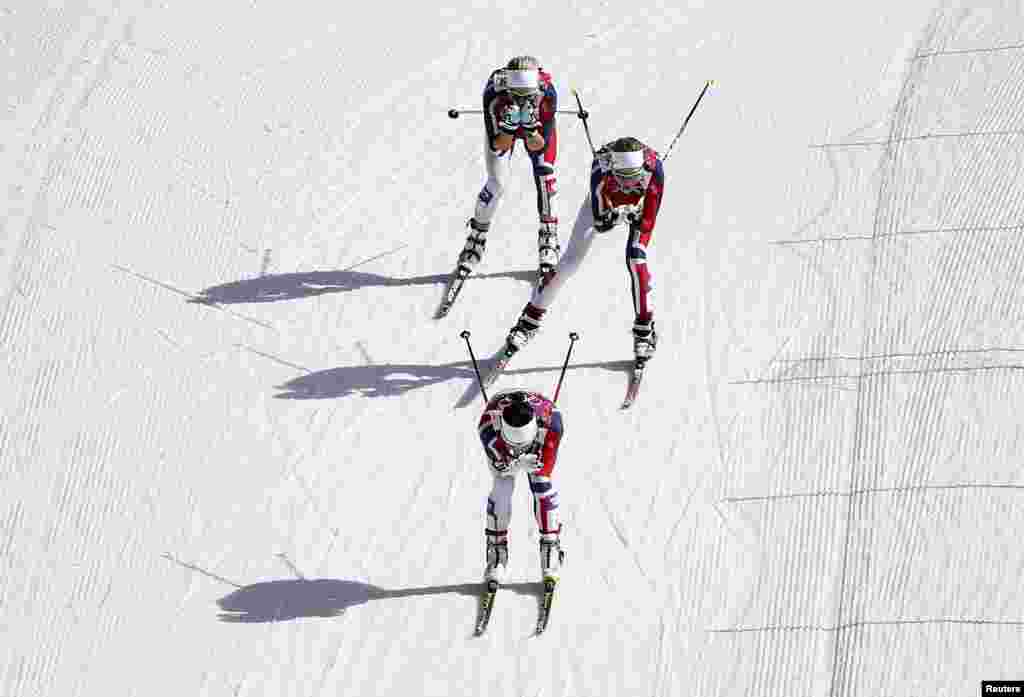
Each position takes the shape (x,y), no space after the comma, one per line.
(238,456)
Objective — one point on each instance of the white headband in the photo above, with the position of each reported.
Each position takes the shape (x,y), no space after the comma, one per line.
(628,160)
(519,436)
(522,79)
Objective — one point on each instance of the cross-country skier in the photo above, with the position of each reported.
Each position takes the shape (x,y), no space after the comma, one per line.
(521,431)
(519,103)
(627,182)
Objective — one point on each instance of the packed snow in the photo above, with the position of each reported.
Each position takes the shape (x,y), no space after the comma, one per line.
(238,455)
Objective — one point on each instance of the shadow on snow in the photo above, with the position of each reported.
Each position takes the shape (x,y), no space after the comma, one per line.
(278,601)
(291,286)
(392,379)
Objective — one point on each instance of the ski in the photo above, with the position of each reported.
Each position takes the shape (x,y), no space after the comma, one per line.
(545,605)
(486,606)
(451,292)
(499,367)
(635,378)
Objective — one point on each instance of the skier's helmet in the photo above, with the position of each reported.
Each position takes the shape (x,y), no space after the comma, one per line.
(518,422)
(628,161)
(523,75)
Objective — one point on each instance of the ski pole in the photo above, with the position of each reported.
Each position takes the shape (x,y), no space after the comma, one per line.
(583,115)
(480,380)
(573,336)
(687,119)
(456,113)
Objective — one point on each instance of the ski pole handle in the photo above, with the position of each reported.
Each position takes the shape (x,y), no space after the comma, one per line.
(480,380)
(583,115)
(456,113)
(573,336)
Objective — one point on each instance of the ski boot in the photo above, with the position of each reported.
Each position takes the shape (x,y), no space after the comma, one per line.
(473,252)
(548,249)
(645,340)
(497,556)
(551,556)
(525,329)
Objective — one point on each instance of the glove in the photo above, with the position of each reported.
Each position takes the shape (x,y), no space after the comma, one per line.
(535,141)
(608,220)
(527,463)
(502,468)
(605,223)
(529,114)
(509,118)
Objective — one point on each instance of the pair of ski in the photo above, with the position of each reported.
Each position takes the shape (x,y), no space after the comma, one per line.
(452,290)
(487,606)
(455,283)
(636,376)
(451,294)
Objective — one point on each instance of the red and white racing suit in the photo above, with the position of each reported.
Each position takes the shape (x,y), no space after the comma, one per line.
(605,194)
(501,461)
(543,160)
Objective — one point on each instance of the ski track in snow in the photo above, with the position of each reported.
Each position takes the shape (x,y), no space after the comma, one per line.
(224,449)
